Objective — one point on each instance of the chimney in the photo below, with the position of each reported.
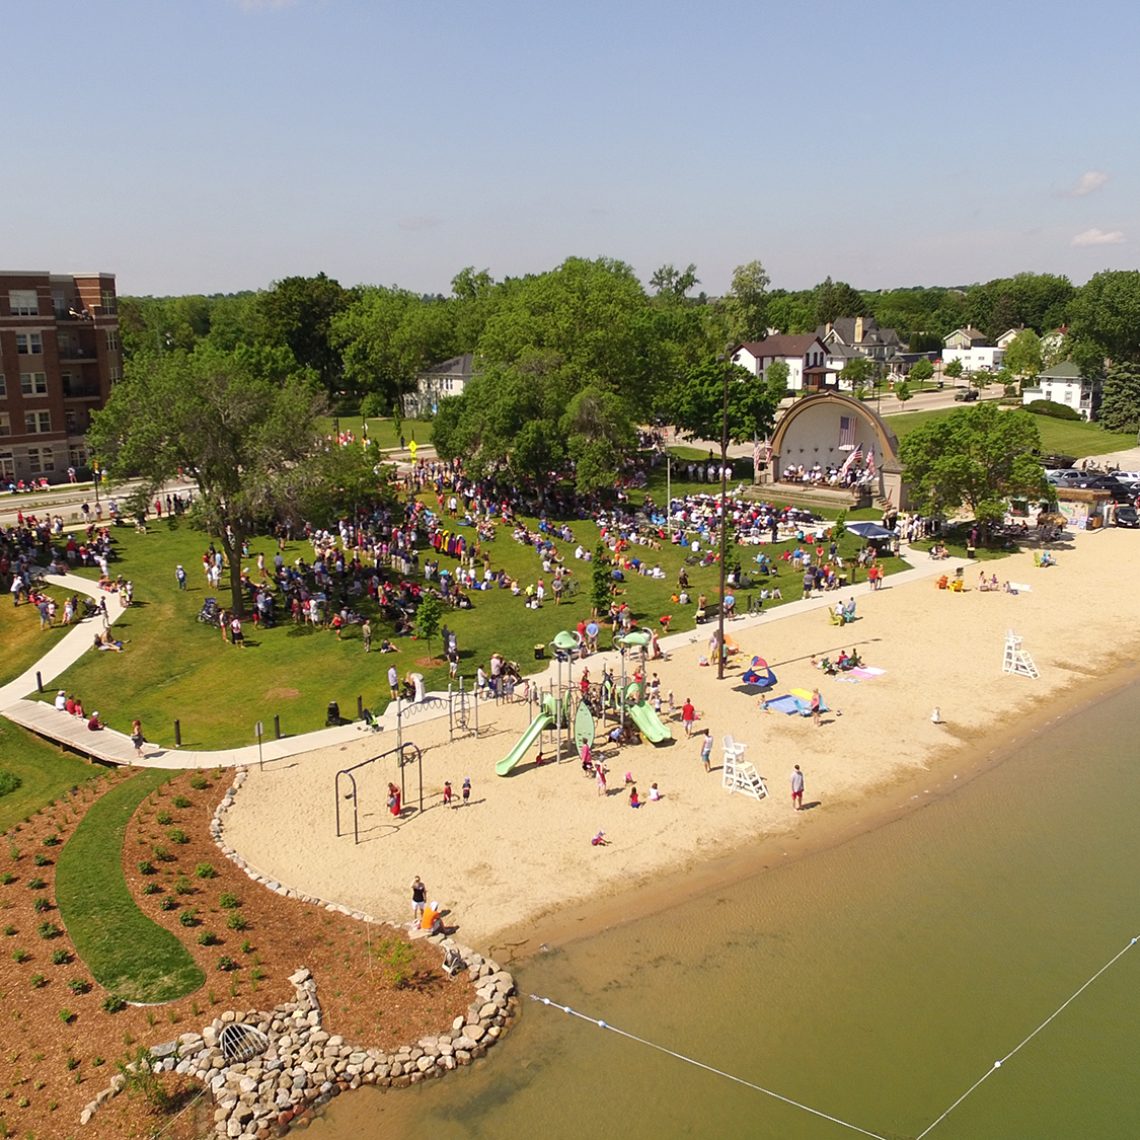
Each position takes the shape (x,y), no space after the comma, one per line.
(858,330)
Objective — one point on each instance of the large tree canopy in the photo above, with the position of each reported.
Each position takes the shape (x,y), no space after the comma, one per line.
(1106,314)
(699,401)
(238,435)
(1120,401)
(975,457)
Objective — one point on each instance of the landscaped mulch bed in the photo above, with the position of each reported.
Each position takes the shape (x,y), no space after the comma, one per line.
(61,1047)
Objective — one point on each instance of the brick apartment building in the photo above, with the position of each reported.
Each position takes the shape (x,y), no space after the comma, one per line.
(59,356)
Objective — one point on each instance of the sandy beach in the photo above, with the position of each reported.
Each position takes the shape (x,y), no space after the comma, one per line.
(516,866)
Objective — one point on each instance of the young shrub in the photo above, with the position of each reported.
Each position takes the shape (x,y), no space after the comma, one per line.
(7,878)
(169,903)
(49,930)
(67,1017)
(20,956)
(183,886)
(236,921)
(188,918)
(38,981)
(112,1003)
(199,783)
(228,901)
(226,963)
(41,860)
(60,957)
(42,904)
(79,985)
(208,938)
(164,818)
(36,884)
(152,889)
(181,802)
(205,871)
(177,835)
(146,867)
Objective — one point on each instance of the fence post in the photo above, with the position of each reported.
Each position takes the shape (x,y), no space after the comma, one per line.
(359,707)
(178,734)
(39,682)
(277,726)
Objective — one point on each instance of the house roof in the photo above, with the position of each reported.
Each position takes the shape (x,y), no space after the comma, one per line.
(973,335)
(455,366)
(1068,370)
(785,344)
(843,330)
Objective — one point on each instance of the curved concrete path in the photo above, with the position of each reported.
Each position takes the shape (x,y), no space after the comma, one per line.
(112,747)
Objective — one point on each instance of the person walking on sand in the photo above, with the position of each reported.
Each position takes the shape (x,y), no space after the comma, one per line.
(600,777)
(797,788)
(688,716)
(816,707)
(447,793)
(706,749)
(466,790)
(419,900)
(137,736)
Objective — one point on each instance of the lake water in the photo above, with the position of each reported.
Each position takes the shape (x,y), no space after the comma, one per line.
(874,982)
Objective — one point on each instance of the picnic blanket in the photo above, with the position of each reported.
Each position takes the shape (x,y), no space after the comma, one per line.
(797,701)
(867,672)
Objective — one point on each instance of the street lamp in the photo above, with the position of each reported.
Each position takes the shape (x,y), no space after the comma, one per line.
(723,511)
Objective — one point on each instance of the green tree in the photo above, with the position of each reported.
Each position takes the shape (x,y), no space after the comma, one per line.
(791,312)
(672,284)
(429,615)
(858,372)
(1023,356)
(240,437)
(975,457)
(954,369)
(921,370)
(298,312)
(746,304)
(835,299)
(776,377)
(699,403)
(1106,313)
(601,581)
(902,392)
(1120,400)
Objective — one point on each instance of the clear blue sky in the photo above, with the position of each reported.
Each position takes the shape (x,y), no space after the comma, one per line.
(217,145)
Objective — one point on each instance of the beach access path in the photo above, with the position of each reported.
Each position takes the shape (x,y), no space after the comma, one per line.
(107,746)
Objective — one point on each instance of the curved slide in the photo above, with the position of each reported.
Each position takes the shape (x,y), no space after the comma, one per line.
(649,724)
(540,722)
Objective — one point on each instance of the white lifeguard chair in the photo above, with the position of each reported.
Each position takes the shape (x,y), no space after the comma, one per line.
(738,775)
(1016,659)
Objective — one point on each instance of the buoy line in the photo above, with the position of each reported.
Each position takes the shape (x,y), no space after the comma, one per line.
(708,1068)
(602,1024)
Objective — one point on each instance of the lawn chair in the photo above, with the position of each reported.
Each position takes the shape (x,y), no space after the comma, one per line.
(835,619)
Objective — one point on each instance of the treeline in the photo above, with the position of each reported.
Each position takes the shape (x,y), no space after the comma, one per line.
(570,360)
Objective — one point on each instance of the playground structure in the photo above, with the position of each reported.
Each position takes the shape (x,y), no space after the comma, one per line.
(737,774)
(1016,660)
(553,713)
(405,753)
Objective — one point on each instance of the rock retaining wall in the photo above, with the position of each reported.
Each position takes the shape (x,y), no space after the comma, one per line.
(303,1066)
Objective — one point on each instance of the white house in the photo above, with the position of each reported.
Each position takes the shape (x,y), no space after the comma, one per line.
(1064,384)
(805,356)
(436,383)
(969,346)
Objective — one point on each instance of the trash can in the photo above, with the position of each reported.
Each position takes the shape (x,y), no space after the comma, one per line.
(539,652)
(333,716)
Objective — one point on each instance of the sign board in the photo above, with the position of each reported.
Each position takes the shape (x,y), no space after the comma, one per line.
(412,448)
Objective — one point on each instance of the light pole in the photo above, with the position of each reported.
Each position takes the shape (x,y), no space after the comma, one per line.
(723,512)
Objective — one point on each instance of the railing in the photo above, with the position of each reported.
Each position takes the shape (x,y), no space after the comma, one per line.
(75,352)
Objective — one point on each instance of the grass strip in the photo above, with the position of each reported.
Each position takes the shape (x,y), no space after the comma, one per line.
(44,772)
(126,952)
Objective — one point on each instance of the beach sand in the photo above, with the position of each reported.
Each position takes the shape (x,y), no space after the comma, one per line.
(516,866)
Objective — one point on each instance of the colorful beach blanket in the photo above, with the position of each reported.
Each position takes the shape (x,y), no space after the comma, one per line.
(867,672)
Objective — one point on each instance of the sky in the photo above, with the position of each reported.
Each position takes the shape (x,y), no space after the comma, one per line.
(203,146)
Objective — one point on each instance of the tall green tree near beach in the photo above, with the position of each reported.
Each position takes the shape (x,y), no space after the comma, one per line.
(921,370)
(1023,357)
(240,435)
(699,400)
(1120,399)
(974,458)
(746,303)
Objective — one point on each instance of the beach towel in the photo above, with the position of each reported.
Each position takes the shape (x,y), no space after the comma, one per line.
(802,698)
(785,704)
(867,672)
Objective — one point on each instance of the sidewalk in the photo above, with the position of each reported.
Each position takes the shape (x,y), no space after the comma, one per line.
(111,747)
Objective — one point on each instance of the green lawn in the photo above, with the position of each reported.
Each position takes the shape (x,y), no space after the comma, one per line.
(126,952)
(1066,437)
(44,772)
(382,432)
(175,667)
(23,640)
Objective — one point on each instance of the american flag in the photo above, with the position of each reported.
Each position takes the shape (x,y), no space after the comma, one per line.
(854,457)
(870,462)
(846,433)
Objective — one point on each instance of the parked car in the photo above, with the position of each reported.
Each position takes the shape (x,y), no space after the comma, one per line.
(966,394)
(1128,516)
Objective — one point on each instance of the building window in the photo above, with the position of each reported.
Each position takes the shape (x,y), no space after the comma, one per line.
(7,465)
(29,344)
(77,456)
(3,385)
(70,421)
(109,305)
(112,340)
(5,424)
(33,383)
(37,423)
(40,459)
(24,302)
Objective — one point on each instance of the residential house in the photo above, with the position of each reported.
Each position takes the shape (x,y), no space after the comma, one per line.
(805,355)
(440,381)
(1009,336)
(863,335)
(1064,384)
(972,348)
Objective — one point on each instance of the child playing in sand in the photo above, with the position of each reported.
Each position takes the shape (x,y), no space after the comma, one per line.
(654,794)
(634,802)
(600,840)
(447,793)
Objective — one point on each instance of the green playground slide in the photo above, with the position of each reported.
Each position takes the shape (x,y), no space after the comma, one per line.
(540,722)
(648,723)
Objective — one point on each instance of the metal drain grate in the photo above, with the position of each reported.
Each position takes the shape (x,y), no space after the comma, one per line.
(241,1042)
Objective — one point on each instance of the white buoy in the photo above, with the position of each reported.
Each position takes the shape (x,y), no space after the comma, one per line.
(936,715)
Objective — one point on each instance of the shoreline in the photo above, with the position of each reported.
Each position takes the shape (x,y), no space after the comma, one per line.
(516,867)
(572,923)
